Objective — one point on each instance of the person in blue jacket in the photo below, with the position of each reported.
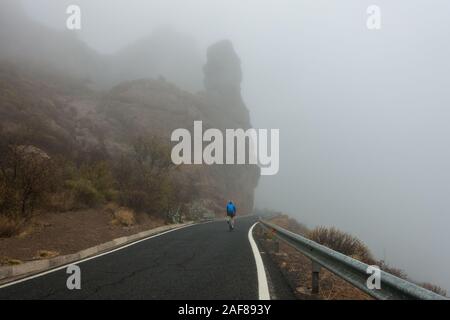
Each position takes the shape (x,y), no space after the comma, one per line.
(231,214)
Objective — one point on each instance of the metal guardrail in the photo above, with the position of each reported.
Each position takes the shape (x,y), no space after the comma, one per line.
(351,270)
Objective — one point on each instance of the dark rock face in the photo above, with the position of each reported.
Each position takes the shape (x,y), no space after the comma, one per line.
(159,107)
(223,75)
(223,78)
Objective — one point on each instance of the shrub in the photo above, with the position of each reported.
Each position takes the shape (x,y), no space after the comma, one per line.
(101,178)
(434,288)
(198,210)
(389,269)
(25,178)
(90,186)
(61,201)
(174,215)
(9,226)
(290,224)
(136,199)
(85,193)
(342,242)
(144,177)
(124,217)
(46,254)
(6,261)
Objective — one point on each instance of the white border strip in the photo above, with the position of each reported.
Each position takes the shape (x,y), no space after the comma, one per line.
(91,258)
(263,287)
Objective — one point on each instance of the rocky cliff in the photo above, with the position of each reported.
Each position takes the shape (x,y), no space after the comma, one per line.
(49,96)
(157,106)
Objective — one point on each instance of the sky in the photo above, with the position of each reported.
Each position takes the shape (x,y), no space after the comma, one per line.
(363,114)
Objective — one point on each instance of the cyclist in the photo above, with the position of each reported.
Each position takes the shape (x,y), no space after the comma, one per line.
(231,214)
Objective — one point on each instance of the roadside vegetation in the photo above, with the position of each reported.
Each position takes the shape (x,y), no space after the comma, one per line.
(141,180)
(347,244)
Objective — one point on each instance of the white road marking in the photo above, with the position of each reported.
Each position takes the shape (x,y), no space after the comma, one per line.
(90,258)
(263,287)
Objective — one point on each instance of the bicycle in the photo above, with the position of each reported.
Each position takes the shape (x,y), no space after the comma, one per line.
(230,221)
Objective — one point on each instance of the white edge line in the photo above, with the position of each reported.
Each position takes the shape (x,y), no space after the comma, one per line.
(263,287)
(90,258)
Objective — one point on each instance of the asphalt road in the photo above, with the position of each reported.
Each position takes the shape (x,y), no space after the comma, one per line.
(203,261)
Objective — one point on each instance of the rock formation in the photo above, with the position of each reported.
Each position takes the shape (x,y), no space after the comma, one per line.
(44,96)
(223,77)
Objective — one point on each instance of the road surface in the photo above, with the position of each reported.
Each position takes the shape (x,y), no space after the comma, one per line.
(203,261)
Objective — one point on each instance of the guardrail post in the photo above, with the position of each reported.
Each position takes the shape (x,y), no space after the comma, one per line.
(315,277)
(276,246)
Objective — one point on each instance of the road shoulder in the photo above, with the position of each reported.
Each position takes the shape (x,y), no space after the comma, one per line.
(13,274)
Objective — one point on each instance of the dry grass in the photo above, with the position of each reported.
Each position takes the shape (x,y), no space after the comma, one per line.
(332,287)
(25,231)
(290,224)
(6,261)
(434,288)
(9,227)
(111,208)
(124,217)
(297,270)
(389,269)
(61,201)
(342,242)
(46,254)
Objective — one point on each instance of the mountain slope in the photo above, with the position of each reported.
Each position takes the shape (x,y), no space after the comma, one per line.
(49,99)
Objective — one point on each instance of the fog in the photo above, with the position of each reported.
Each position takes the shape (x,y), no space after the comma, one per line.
(363,114)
